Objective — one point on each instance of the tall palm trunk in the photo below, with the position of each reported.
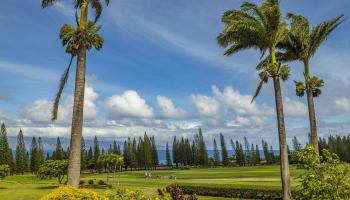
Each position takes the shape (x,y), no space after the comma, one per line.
(311,107)
(284,167)
(78,109)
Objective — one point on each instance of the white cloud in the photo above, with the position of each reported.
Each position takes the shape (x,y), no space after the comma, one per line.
(343,103)
(240,104)
(39,111)
(206,106)
(248,121)
(168,109)
(129,104)
(294,108)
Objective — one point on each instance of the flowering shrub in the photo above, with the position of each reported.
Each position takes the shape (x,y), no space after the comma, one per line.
(71,193)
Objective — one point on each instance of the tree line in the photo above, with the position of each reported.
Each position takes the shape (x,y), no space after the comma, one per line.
(141,153)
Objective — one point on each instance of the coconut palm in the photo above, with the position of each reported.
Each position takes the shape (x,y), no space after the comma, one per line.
(302,45)
(77,40)
(260,27)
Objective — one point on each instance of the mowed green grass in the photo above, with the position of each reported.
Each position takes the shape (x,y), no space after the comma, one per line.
(28,187)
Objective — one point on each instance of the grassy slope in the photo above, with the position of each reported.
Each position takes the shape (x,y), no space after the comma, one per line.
(28,187)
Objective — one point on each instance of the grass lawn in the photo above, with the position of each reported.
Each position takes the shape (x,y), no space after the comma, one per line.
(28,187)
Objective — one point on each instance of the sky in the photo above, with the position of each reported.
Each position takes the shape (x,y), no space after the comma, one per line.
(161,71)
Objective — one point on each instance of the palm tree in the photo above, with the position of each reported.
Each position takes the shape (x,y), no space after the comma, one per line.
(260,27)
(302,45)
(77,40)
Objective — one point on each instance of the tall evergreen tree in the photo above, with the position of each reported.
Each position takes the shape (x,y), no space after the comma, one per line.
(34,156)
(216,157)
(58,154)
(257,154)
(6,157)
(167,156)
(154,152)
(41,153)
(84,155)
(175,152)
(224,153)
(296,144)
(96,153)
(21,154)
(202,150)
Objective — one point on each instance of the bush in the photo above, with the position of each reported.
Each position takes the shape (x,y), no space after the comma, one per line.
(71,193)
(90,182)
(101,182)
(325,177)
(177,194)
(229,191)
(4,171)
(81,182)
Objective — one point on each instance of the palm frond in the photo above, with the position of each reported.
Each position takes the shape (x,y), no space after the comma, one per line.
(78,3)
(63,81)
(263,79)
(46,3)
(97,6)
(320,33)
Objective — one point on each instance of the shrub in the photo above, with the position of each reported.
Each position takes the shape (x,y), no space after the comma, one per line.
(229,191)
(4,171)
(71,193)
(177,194)
(81,182)
(326,177)
(90,182)
(101,182)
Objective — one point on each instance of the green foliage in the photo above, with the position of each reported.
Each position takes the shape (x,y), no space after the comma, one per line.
(299,88)
(6,157)
(315,84)
(4,171)
(58,154)
(53,168)
(110,162)
(22,160)
(224,153)
(326,176)
(167,156)
(216,158)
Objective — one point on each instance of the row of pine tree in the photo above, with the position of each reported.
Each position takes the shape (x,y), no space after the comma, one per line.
(142,153)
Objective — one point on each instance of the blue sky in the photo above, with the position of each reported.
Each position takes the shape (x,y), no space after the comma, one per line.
(161,71)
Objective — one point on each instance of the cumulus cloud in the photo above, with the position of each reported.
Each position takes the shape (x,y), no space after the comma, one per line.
(295,108)
(128,104)
(168,109)
(343,103)
(240,104)
(248,121)
(206,106)
(39,111)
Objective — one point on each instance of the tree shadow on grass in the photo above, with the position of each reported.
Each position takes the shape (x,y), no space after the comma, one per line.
(47,187)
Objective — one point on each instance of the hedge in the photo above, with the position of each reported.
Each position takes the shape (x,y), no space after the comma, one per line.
(231,191)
